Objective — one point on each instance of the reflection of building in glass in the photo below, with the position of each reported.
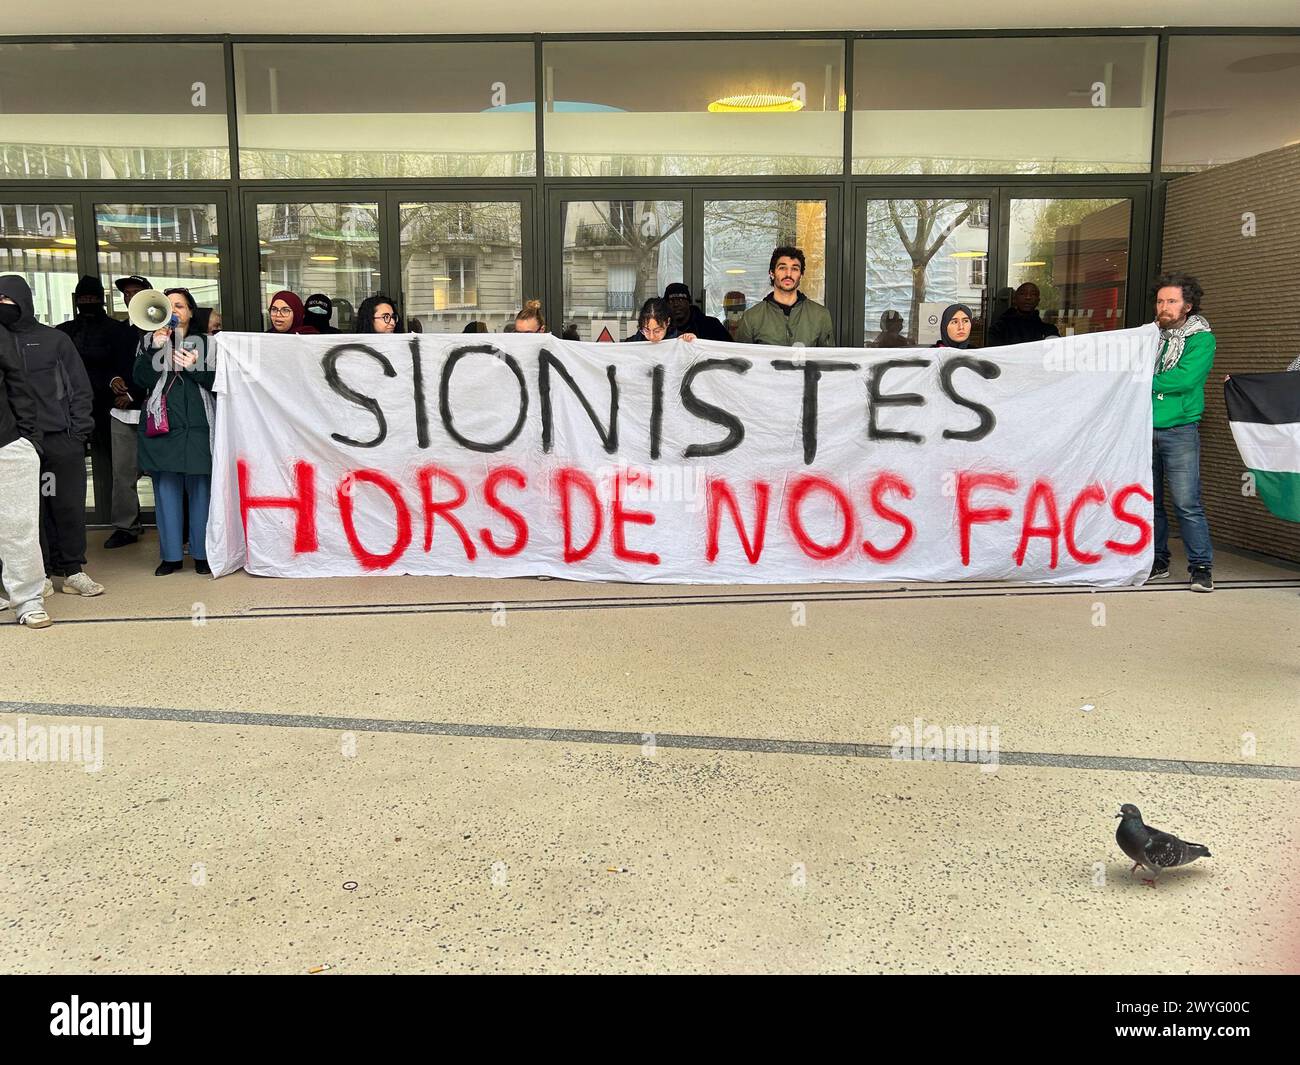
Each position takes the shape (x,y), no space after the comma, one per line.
(39,242)
(461,262)
(617,254)
(1091,269)
(174,245)
(319,247)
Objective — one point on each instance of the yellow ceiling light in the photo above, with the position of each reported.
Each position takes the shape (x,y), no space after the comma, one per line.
(1030,264)
(968,255)
(734,271)
(205,259)
(69,241)
(442,279)
(755,103)
(324,258)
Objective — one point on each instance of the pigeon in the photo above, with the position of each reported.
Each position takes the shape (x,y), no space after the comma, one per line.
(1150,848)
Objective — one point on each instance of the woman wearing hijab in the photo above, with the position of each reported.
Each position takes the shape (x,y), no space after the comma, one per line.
(175,444)
(286,313)
(379,314)
(955,327)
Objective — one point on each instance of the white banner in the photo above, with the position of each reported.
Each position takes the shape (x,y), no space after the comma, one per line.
(516,454)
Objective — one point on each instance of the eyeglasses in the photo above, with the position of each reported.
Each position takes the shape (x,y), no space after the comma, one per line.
(280,312)
(386,318)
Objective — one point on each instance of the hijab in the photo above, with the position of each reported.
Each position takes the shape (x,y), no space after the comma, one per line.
(946,341)
(295,304)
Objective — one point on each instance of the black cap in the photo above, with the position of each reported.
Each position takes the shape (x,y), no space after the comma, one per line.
(89,285)
(677,289)
(319,304)
(134,281)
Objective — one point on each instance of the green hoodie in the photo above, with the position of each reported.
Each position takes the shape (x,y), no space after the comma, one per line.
(808,323)
(1178,395)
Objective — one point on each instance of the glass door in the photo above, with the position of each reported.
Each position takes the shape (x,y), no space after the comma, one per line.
(610,253)
(918,252)
(738,235)
(613,249)
(463,261)
(310,244)
(1071,257)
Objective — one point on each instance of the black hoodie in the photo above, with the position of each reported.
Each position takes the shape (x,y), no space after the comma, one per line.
(107,349)
(17,404)
(54,369)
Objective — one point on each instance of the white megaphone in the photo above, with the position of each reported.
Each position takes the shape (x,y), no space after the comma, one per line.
(149,311)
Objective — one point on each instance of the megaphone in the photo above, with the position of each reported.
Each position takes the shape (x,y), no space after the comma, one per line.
(149,310)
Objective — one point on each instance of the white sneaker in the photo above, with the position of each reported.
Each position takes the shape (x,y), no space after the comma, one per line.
(36,619)
(4,604)
(81,584)
(47,589)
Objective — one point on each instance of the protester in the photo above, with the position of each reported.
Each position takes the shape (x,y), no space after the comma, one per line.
(655,324)
(530,318)
(475,327)
(891,332)
(1020,323)
(65,420)
(379,314)
(286,314)
(178,460)
(570,332)
(318,309)
(785,316)
(733,310)
(107,350)
(1178,389)
(954,327)
(21,571)
(688,318)
(123,431)
(131,286)
(207,321)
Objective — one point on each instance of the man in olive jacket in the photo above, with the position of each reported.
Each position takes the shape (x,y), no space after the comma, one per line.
(785,316)
(1177,403)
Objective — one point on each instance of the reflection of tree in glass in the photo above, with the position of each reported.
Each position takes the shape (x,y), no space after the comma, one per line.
(1038,223)
(922,227)
(642,234)
(741,235)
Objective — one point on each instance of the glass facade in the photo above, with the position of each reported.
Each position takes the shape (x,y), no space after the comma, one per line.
(1003,105)
(327,247)
(39,242)
(694,108)
(146,112)
(1077,252)
(462,262)
(920,256)
(173,245)
(901,163)
(1230,97)
(385,110)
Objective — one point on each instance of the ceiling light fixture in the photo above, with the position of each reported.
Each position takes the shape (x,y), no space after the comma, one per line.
(755,103)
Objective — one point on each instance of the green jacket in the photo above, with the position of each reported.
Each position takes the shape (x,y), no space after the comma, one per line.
(808,323)
(186,447)
(1178,395)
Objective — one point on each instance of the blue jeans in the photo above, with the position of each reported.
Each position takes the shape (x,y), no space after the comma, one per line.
(169,492)
(1177,452)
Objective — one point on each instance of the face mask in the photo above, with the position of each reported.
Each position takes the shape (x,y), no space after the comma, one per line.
(10,313)
(90,310)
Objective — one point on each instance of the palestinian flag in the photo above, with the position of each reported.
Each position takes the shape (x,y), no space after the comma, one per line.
(1264,412)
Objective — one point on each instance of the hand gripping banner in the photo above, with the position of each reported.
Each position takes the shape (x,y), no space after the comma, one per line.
(521,454)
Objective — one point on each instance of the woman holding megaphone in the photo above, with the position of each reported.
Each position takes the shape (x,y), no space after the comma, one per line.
(176,425)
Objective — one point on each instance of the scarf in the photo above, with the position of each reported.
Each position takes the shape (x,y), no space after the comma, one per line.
(1174,339)
(154,404)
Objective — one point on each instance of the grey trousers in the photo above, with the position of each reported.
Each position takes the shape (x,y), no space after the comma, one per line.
(20,523)
(126,495)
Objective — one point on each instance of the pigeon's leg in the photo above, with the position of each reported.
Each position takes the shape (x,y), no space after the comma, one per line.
(1149,883)
(1134,869)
